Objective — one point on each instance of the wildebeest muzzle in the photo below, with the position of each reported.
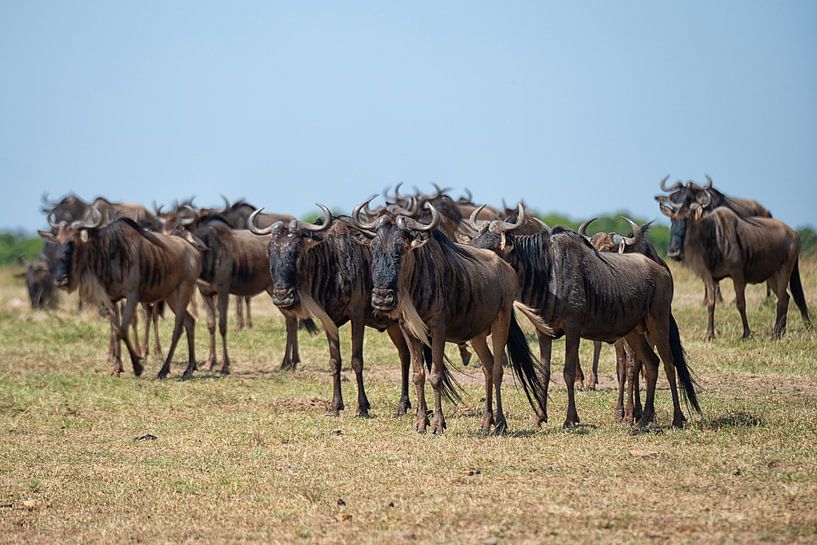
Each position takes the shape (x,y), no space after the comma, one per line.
(384,299)
(284,297)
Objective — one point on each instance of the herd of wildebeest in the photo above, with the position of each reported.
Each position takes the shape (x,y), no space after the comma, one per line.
(427,269)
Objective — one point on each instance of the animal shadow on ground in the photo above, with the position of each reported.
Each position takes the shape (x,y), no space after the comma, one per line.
(733,419)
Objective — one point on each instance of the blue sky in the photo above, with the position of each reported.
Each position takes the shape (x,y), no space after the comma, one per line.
(579,107)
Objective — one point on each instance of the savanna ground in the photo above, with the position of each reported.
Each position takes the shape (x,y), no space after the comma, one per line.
(252,458)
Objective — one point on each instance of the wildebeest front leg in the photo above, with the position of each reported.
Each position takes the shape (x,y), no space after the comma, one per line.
(396,337)
(419,378)
(223,304)
(358,331)
(155,317)
(571,359)
(487,359)
(335,366)
(437,363)
(292,356)
(127,316)
(146,313)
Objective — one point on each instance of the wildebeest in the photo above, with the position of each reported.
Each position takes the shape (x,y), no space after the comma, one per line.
(442,292)
(325,271)
(234,261)
(42,293)
(238,214)
(124,260)
(571,289)
(136,212)
(680,195)
(718,243)
(626,365)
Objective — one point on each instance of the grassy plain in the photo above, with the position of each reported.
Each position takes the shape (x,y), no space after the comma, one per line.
(252,458)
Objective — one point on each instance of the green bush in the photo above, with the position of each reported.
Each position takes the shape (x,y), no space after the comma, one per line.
(14,245)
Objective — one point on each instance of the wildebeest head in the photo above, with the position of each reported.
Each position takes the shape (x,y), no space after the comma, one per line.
(493,235)
(288,244)
(69,208)
(68,237)
(396,236)
(681,215)
(38,281)
(611,241)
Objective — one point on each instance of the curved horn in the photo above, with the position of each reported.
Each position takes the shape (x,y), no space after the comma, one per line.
(583,227)
(51,222)
(327,221)
(95,221)
(397,192)
(637,233)
(412,210)
(468,197)
(259,230)
(226,202)
(673,187)
(475,215)
(440,190)
(502,226)
(410,224)
(542,224)
(708,184)
(356,214)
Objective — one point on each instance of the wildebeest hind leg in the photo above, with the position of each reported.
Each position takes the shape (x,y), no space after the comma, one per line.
(740,302)
(545,353)
(593,381)
(419,378)
(179,311)
(437,354)
(649,361)
(621,374)
(661,335)
(499,340)
(571,360)
(223,306)
(210,310)
(487,359)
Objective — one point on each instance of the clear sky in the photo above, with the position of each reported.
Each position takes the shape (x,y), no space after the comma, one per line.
(579,107)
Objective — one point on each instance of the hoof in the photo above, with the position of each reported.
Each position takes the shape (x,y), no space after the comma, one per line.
(500,428)
(138,367)
(225,371)
(570,423)
(403,407)
(542,419)
(438,427)
(466,359)
(421,425)
(362,413)
(161,376)
(186,376)
(211,363)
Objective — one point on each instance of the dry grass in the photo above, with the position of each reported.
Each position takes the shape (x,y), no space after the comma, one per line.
(251,458)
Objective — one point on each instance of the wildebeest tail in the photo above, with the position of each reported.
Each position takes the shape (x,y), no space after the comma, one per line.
(309,325)
(797,292)
(450,387)
(528,370)
(684,372)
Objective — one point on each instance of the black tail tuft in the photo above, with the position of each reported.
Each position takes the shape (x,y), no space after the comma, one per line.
(527,369)
(797,293)
(450,387)
(684,372)
(309,325)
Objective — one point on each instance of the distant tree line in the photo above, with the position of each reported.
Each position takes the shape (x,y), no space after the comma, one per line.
(16,244)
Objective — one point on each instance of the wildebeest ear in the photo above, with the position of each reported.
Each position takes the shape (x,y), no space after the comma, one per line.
(666,210)
(661,198)
(20,275)
(47,235)
(697,213)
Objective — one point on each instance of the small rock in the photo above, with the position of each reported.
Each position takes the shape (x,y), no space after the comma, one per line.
(16,303)
(146,437)
(473,471)
(343,517)
(737,472)
(391,504)
(641,453)
(341,503)
(31,504)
